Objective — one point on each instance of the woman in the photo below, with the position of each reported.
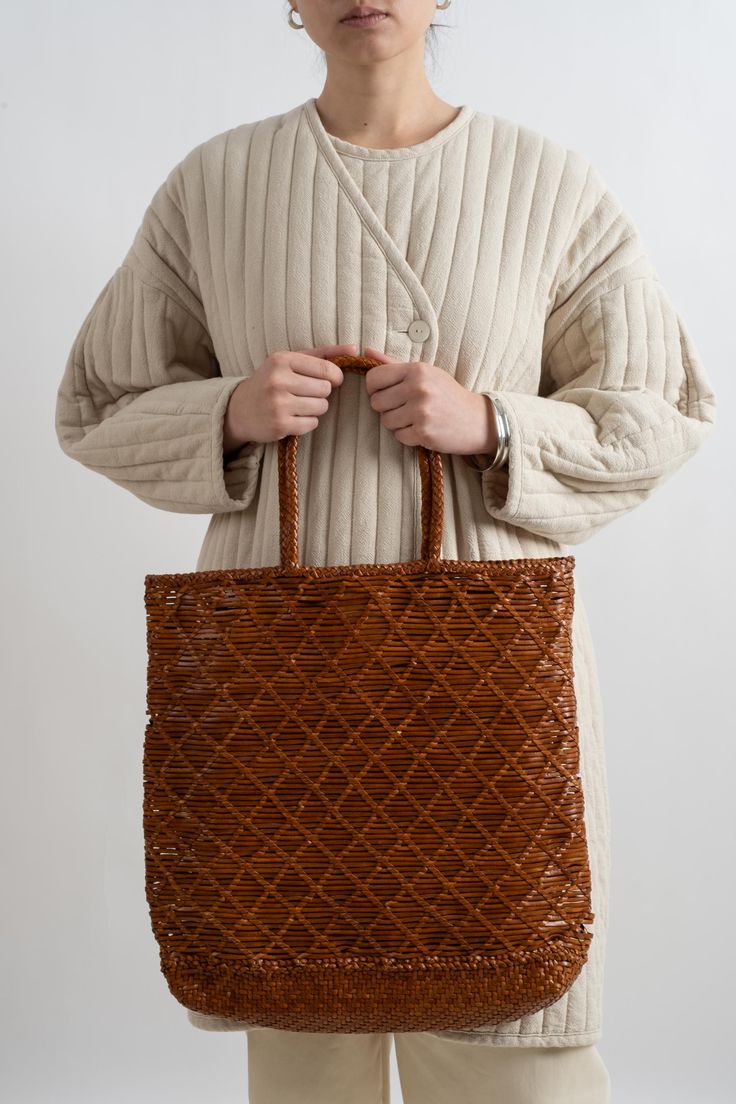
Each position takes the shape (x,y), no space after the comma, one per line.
(488,268)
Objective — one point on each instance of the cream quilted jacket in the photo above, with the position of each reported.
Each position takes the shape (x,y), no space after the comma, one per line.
(489,250)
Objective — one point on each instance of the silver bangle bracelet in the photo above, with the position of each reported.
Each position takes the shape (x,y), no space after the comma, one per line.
(480,461)
(503,434)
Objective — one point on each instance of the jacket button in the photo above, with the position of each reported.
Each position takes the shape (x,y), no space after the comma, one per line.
(419,330)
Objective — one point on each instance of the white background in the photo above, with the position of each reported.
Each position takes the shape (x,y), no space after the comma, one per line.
(98,100)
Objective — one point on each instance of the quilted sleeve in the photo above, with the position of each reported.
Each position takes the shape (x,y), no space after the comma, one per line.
(624,399)
(142,400)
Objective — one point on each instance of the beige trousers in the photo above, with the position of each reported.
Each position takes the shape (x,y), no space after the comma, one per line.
(301,1067)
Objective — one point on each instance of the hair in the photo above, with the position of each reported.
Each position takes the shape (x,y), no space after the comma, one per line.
(430,42)
(430,39)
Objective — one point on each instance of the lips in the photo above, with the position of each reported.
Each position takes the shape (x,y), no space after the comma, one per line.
(360,12)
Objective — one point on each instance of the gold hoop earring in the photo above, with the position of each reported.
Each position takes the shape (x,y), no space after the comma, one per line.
(443,7)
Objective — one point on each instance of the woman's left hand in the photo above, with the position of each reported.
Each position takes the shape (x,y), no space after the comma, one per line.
(424,405)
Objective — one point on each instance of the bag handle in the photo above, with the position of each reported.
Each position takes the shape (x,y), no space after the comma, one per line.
(430,469)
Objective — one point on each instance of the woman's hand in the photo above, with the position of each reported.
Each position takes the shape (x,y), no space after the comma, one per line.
(424,405)
(285,395)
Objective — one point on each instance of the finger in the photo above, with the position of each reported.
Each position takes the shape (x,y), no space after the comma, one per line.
(306,361)
(315,387)
(376,354)
(390,370)
(332,350)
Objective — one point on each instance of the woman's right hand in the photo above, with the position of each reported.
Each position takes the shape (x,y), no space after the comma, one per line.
(285,395)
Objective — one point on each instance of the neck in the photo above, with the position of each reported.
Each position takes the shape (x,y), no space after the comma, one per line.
(383,118)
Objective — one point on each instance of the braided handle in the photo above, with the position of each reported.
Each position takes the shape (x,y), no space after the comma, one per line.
(430,469)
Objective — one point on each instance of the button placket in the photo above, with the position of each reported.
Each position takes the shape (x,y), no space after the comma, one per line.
(395,257)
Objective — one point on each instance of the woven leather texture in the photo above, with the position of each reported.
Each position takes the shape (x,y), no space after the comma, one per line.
(362,803)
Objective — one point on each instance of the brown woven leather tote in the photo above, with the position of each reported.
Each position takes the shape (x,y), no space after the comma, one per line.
(362,803)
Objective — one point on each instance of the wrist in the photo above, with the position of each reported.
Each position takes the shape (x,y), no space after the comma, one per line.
(233,435)
(496,455)
(490,434)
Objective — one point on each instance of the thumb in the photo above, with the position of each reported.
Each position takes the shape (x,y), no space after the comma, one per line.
(376,354)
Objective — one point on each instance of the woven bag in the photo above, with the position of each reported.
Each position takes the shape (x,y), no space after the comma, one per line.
(362,803)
